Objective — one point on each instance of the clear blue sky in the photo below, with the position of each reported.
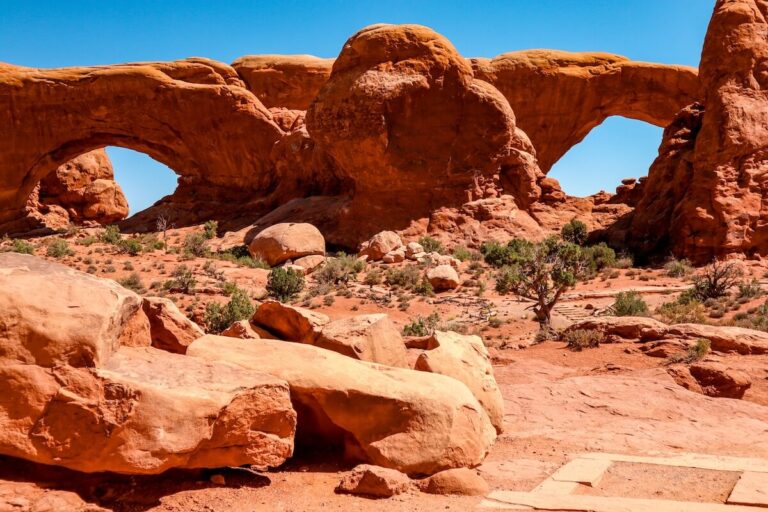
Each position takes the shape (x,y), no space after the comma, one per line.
(53,33)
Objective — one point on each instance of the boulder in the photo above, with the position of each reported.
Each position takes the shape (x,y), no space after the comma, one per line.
(374,481)
(724,338)
(281,242)
(466,359)
(169,328)
(310,263)
(51,314)
(290,323)
(415,422)
(380,244)
(396,256)
(145,411)
(628,327)
(443,277)
(412,249)
(373,338)
(717,380)
(460,481)
(241,329)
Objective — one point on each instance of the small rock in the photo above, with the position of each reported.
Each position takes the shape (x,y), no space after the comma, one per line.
(241,329)
(374,481)
(413,249)
(462,481)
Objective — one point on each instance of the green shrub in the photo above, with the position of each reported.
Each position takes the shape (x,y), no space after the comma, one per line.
(111,235)
(87,241)
(406,277)
(715,280)
(750,289)
(683,311)
(373,277)
(130,246)
(461,253)
(59,248)
(151,243)
(695,352)
(217,317)
(210,228)
(599,256)
(575,232)
(422,326)
(183,279)
(431,244)
(498,255)
(678,268)
(630,303)
(22,246)
(241,256)
(196,244)
(133,282)
(424,287)
(284,284)
(339,270)
(579,339)
(506,278)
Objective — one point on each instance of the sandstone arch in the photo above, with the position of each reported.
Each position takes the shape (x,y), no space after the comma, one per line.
(195,116)
(558,97)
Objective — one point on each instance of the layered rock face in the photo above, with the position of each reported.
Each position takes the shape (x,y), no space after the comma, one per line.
(82,190)
(412,129)
(558,97)
(705,192)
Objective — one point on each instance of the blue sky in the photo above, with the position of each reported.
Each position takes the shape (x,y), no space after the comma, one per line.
(53,33)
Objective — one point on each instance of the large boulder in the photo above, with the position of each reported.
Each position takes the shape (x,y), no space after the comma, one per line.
(145,411)
(51,314)
(415,422)
(290,323)
(281,242)
(373,338)
(380,244)
(169,328)
(466,359)
(411,130)
(443,277)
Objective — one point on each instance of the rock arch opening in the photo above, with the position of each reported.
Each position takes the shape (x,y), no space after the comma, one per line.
(618,149)
(143,180)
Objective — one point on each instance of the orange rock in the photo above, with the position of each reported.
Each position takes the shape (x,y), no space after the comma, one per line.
(170,329)
(581,90)
(373,338)
(443,277)
(374,481)
(460,481)
(380,244)
(241,329)
(282,242)
(415,422)
(718,380)
(290,81)
(290,323)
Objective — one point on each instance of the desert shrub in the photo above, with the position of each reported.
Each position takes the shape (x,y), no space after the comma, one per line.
(495,322)
(542,272)
(461,253)
(575,232)
(182,279)
(87,241)
(683,311)
(695,352)
(111,235)
(678,268)
(431,244)
(133,282)
(717,313)
(339,270)
(373,277)
(715,280)
(424,287)
(498,255)
(579,339)
(599,256)
(406,277)
(196,244)
(59,248)
(422,326)
(151,242)
(91,269)
(241,256)
(624,262)
(22,246)
(328,300)
(750,289)
(218,317)
(210,228)
(630,303)
(129,246)
(284,284)
(127,265)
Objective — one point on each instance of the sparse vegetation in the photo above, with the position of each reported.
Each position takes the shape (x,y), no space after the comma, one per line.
(133,282)
(339,270)
(750,289)
(196,244)
(373,277)
(58,248)
(284,284)
(182,280)
(22,246)
(579,339)
(406,277)
(210,229)
(217,317)
(575,232)
(695,352)
(686,309)
(241,256)
(129,246)
(422,326)
(678,268)
(716,279)
(629,303)
(431,244)
(461,253)
(111,235)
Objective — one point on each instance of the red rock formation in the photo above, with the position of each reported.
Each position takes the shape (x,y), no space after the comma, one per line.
(81,190)
(558,97)
(289,81)
(410,127)
(705,193)
(195,116)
